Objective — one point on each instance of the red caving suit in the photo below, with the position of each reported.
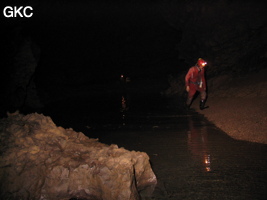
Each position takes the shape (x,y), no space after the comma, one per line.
(195,79)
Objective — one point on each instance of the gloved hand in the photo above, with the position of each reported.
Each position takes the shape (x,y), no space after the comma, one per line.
(187,88)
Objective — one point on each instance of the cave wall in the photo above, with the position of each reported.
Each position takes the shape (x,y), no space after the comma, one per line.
(20,60)
(231,35)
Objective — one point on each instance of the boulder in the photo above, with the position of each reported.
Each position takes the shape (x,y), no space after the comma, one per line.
(40,160)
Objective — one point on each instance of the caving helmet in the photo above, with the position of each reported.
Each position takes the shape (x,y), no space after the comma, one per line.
(201,62)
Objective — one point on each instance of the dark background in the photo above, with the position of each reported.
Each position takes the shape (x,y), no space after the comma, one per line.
(69,45)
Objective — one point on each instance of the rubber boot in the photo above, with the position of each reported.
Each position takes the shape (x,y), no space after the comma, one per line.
(187,107)
(188,104)
(202,104)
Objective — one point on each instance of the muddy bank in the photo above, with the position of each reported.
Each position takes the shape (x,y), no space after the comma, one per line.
(240,118)
(237,105)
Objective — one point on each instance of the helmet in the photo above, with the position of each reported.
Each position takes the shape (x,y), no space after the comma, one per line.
(201,62)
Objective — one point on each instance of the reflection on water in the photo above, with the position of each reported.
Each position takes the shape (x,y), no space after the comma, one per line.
(198,143)
(217,166)
(124,108)
(207,162)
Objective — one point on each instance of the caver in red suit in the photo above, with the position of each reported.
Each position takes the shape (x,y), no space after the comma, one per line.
(195,81)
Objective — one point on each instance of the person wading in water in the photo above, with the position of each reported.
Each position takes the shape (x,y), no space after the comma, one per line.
(195,81)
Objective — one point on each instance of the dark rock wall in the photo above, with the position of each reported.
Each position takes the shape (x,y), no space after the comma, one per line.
(231,35)
(21,57)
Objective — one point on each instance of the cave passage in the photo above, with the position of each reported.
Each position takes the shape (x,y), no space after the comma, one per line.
(191,158)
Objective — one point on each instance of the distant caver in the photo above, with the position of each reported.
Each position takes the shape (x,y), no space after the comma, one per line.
(195,81)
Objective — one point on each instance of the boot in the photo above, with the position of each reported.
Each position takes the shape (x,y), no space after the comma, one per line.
(202,104)
(188,104)
(187,107)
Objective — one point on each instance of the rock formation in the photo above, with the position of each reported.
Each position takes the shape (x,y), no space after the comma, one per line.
(42,161)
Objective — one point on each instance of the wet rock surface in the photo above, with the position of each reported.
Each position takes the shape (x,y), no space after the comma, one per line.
(42,161)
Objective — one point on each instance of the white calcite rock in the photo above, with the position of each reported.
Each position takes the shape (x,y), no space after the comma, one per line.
(42,161)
